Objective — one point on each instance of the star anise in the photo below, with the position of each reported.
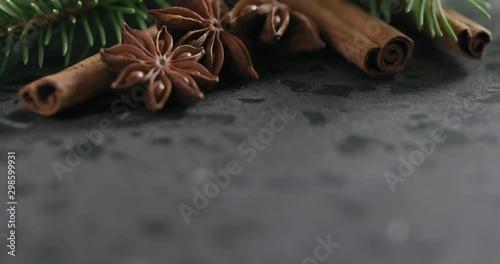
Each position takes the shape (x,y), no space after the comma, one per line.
(201,22)
(165,69)
(274,21)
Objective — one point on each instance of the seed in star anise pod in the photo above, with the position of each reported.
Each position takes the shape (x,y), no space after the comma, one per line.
(201,22)
(165,70)
(275,22)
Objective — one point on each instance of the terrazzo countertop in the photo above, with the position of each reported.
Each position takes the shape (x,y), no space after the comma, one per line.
(315,163)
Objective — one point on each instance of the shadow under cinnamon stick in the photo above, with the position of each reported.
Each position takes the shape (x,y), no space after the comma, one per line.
(69,87)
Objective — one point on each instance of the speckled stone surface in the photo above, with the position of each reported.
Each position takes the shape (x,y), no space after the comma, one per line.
(320,178)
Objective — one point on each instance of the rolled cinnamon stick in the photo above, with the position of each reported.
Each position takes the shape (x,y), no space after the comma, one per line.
(473,38)
(371,44)
(69,87)
(51,94)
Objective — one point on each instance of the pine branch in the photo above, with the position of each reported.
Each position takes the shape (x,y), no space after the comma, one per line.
(33,25)
(427,13)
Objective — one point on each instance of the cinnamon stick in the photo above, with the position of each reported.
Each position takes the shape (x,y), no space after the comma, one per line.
(69,87)
(473,38)
(371,44)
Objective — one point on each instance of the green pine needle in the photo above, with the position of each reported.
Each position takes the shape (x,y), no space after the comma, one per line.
(409,6)
(48,34)
(100,29)
(445,22)
(8,48)
(41,47)
(88,32)
(64,38)
(71,36)
(40,24)
(434,19)
(422,8)
(430,26)
(480,7)
(24,38)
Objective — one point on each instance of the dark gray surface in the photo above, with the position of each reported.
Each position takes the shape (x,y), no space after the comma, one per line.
(323,175)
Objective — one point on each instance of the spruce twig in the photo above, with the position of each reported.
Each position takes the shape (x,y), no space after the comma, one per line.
(22,21)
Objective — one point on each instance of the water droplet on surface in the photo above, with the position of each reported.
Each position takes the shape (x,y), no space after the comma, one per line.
(365,88)
(315,118)
(397,231)
(298,87)
(336,89)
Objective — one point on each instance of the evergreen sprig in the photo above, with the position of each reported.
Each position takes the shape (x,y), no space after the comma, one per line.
(43,22)
(427,12)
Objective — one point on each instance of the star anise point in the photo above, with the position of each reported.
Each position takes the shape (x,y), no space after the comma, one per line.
(202,23)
